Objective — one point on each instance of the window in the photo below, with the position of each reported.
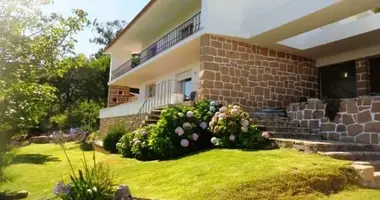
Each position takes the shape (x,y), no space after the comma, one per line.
(121,92)
(374,75)
(186,88)
(187,31)
(338,81)
(114,100)
(151,90)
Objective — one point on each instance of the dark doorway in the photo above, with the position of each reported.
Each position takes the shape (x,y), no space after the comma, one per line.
(375,75)
(338,81)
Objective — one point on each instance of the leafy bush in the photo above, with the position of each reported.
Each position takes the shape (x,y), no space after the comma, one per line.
(88,143)
(112,138)
(184,129)
(180,130)
(233,128)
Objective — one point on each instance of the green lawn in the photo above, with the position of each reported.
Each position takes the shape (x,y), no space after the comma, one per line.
(215,174)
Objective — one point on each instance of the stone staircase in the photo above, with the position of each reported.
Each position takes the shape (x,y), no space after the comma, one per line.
(289,134)
(153,116)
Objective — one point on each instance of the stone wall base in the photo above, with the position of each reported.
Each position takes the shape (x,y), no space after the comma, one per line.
(106,123)
(358,119)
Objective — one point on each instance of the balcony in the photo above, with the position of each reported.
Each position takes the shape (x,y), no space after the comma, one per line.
(180,33)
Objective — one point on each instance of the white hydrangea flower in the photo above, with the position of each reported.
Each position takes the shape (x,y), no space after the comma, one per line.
(234,112)
(212,108)
(184,143)
(181,115)
(232,138)
(212,123)
(214,141)
(137,142)
(203,125)
(244,129)
(213,103)
(217,114)
(223,109)
(187,125)
(179,131)
(244,122)
(190,114)
(144,133)
(195,136)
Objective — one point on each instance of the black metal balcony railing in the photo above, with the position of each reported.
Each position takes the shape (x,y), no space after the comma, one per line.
(180,33)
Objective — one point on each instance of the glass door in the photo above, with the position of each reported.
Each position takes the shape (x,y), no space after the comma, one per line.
(186,88)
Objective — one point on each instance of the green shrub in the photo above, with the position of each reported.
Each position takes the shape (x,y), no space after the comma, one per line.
(233,128)
(112,138)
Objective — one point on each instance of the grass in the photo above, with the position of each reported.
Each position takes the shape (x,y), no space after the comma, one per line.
(214,175)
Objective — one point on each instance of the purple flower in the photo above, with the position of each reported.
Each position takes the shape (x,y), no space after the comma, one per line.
(184,143)
(195,136)
(61,189)
(203,125)
(144,133)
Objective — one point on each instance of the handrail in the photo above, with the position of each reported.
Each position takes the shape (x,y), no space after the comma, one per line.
(178,34)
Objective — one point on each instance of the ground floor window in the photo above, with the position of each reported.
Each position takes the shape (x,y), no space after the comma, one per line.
(186,88)
(375,75)
(338,81)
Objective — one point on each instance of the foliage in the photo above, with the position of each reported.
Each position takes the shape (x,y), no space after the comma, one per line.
(112,138)
(180,130)
(33,48)
(88,143)
(233,128)
(93,182)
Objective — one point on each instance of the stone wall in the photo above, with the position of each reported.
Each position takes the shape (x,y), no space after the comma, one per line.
(362,77)
(106,123)
(237,72)
(358,120)
(118,95)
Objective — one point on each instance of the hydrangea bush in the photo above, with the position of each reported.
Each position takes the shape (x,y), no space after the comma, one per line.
(232,128)
(184,129)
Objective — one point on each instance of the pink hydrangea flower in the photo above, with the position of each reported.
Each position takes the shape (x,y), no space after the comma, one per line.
(184,143)
(223,109)
(266,135)
(222,116)
(236,107)
(234,112)
(232,138)
(179,131)
(144,133)
(195,136)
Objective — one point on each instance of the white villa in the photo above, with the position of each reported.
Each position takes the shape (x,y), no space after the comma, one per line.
(252,52)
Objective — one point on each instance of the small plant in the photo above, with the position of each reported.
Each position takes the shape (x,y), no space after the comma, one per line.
(91,182)
(112,138)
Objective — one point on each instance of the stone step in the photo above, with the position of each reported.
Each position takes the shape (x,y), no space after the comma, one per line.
(155,112)
(323,145)
(150,121)
(284,129)
(291,135)
(153,117)
(277,123)
(374,163)
(272,118)
(353,155)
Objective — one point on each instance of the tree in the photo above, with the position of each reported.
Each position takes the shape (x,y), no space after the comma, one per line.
(33,48)
(107,31)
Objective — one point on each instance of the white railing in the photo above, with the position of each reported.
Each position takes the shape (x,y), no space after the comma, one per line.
(130,108)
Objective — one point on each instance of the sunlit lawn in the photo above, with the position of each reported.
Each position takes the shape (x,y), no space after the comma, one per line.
(215,174)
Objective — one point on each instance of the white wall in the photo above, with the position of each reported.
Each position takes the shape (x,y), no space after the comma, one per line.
(229,17)
(192,69)
(119,57)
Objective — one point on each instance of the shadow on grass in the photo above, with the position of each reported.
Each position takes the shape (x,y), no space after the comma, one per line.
(34,159)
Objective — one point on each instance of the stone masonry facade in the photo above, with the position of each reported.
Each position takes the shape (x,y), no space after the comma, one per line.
(358,120)
(254,77)
(106,123)
(362,77)
(118,95)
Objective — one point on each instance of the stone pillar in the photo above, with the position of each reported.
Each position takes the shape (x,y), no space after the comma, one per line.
(362,77)
(117,95)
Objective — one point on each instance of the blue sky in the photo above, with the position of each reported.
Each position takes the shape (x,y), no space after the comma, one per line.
(103,10)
